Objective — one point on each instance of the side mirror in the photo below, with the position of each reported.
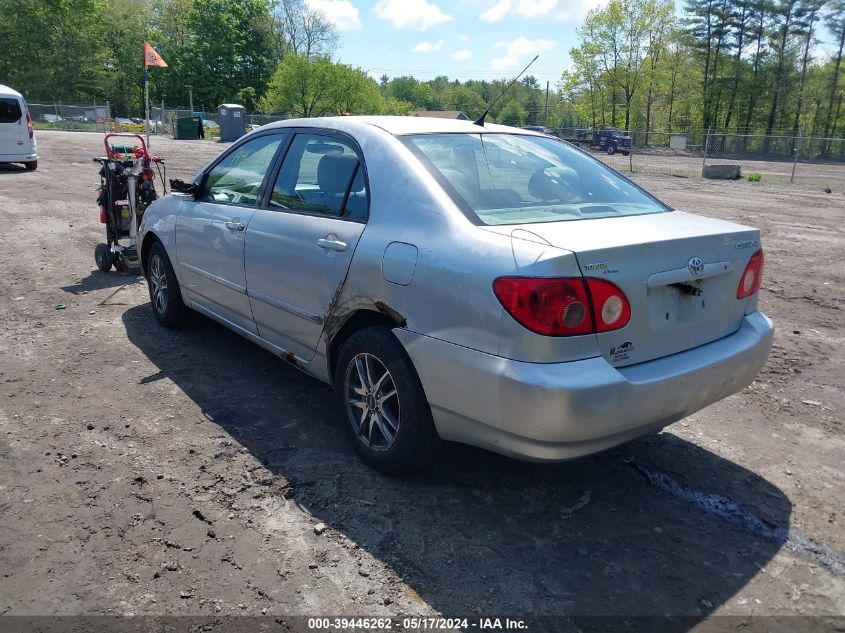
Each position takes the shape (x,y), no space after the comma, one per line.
(181,187)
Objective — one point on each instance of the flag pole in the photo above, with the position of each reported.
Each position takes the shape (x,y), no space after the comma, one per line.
(151,58)
(147,103)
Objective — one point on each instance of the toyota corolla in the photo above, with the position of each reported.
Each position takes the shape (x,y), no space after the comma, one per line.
(453,281)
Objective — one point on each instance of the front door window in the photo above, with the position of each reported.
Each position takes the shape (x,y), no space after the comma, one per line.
(237,178)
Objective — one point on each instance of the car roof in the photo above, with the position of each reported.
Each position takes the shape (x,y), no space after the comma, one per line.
(399,125)
(5,90)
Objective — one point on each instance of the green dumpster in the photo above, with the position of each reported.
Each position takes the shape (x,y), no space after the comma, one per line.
(186,128)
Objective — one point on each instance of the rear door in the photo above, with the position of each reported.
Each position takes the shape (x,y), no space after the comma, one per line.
(300,244)
(210,230)
(14,134)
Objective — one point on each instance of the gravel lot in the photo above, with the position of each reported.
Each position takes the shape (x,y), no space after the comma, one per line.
(149,472)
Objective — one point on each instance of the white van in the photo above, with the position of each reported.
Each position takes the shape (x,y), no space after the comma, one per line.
(17,139)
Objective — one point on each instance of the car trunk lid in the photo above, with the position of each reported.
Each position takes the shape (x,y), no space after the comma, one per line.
(679,271)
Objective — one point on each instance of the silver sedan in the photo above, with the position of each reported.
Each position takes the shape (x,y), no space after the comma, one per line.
(478,284)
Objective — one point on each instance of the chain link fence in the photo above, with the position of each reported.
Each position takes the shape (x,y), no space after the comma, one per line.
(777,159)
(162,120)
(97,117)
(87,117)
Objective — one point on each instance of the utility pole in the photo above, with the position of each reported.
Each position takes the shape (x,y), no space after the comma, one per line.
(795,142)
(191,100)
(546,110)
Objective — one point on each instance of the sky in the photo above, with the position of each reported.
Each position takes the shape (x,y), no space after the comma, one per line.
(462,39)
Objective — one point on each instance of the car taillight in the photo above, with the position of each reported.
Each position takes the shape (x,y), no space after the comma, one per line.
(29,125)
(751,279)
(610,305)
(566,306)
(549,306)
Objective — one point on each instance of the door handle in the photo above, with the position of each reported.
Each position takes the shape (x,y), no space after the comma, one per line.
(331,243)
(236,225)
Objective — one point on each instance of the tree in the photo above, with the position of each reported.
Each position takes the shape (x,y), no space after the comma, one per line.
(740,22)
(126,28)
(758,33)
(56,50)
(708,30)
(512,114)
(624,33)
(230,49)
(659,27)
(215,48)
(306,87)
(835,22)
(785,15)
(806,17)
(302,30)
(582,85)
(466,100)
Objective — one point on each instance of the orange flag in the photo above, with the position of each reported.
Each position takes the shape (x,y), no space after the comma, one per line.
(151,57)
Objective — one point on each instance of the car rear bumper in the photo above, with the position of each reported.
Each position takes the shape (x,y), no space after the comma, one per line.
(19,158)
(558,411)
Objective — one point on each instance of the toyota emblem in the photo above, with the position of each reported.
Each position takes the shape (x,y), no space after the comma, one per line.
(696,266)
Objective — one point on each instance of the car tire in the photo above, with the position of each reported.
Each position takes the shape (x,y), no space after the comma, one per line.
(31,165)
(611,150)
(103,257)
(382,403)
(165,294)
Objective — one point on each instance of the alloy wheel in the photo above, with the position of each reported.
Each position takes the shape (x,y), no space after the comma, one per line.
(158,284)
(372,402)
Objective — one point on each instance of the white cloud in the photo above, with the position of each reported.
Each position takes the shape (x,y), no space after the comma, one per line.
(461,55)
(411,14)
(463,39)
(341,13)
(517,51)
(497,11)
(555,9)
(427,47)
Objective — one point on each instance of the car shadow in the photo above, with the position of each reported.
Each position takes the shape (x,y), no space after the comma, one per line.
(97,280)
(477,533)
(14,169)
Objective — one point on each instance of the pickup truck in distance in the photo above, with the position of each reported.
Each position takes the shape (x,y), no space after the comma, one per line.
(609,140)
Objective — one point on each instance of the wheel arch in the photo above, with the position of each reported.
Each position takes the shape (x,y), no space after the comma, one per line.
(150,238)
(379,315)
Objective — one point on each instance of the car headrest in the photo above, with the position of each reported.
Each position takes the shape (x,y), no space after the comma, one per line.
(335,171)
(553,183)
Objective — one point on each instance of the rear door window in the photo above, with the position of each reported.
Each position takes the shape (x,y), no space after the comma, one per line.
(10,110)
(322,175)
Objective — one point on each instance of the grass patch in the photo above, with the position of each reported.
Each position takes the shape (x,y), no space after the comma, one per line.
(754,177)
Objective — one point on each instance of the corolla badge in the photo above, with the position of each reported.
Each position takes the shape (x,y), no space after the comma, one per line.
(696,266)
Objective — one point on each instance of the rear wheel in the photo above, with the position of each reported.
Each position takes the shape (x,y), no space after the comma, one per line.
(383,404)
(611,150)
(165,295)
(31,165)
(104,257)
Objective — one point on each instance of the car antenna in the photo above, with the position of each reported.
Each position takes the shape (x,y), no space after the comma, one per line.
(480,120)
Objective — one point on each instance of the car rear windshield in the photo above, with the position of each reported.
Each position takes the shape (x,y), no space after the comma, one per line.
(10,110)
(520,179)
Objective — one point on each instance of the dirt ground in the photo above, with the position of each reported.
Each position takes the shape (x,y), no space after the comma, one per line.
(148,472)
